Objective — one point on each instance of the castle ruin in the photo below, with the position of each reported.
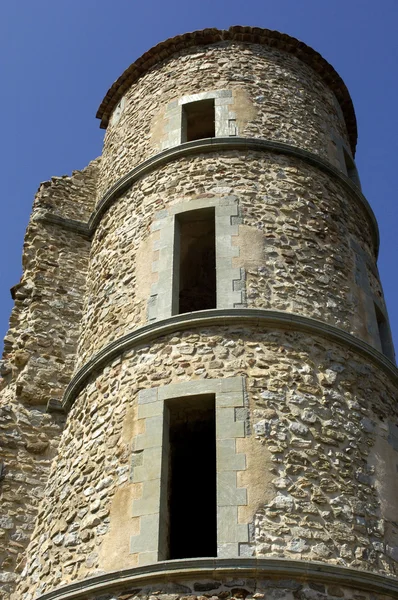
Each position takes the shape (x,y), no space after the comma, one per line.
(199,390)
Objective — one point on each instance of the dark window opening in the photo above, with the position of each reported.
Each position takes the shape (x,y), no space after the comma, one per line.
(198,120)
(384,333)
(196,277)
(191,513)
(351,169)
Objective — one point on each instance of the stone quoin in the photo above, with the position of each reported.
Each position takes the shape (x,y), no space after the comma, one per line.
(199,390)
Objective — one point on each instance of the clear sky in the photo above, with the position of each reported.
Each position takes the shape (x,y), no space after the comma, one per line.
(59,57)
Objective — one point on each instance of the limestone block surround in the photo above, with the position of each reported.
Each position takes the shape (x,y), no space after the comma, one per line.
(163,301)
(224,118)
(230,426)
(198,391)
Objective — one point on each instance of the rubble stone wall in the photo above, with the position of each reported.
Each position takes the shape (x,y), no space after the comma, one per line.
(39,357)
(320,455)
(71,197)
(233,588)
(300,238)
(276,96)
(313,434)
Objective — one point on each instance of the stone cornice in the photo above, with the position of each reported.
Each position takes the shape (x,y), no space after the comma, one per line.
(79,227)
(257,318)
(181,571)
(240,34)
(217,145)
(225,144)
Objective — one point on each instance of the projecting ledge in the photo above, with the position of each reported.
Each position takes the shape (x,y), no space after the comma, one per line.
(189,572)
(207,146)
(259,318)
(223,144)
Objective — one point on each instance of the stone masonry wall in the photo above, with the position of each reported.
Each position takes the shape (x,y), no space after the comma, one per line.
(276,96)
(319,455)
(233,588)
(315,444)
(296,244)
(40,346)
(38,359)
(70,197)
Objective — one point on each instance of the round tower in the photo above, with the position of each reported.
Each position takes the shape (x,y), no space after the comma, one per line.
(231,426)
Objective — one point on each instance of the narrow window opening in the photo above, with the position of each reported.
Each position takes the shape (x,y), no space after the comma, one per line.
(198,120)
(384,333)
(191,512)
(196,277)
(351,169)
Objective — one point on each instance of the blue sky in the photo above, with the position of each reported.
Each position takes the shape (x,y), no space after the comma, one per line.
(59,57)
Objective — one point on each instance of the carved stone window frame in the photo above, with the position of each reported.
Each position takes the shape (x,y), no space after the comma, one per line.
(225,118)
(163,302)
(363,268)
(118,111)
(150,447)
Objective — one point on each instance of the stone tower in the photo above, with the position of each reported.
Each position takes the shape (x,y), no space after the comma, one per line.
(199,389)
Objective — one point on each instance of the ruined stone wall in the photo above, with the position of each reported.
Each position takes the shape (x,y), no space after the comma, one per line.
(70,197)
(301,236)
(40,346)
(319,456)
(312,475)
(39,357)
(275,96)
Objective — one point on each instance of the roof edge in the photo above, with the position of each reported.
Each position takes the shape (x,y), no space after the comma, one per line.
(236,33)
